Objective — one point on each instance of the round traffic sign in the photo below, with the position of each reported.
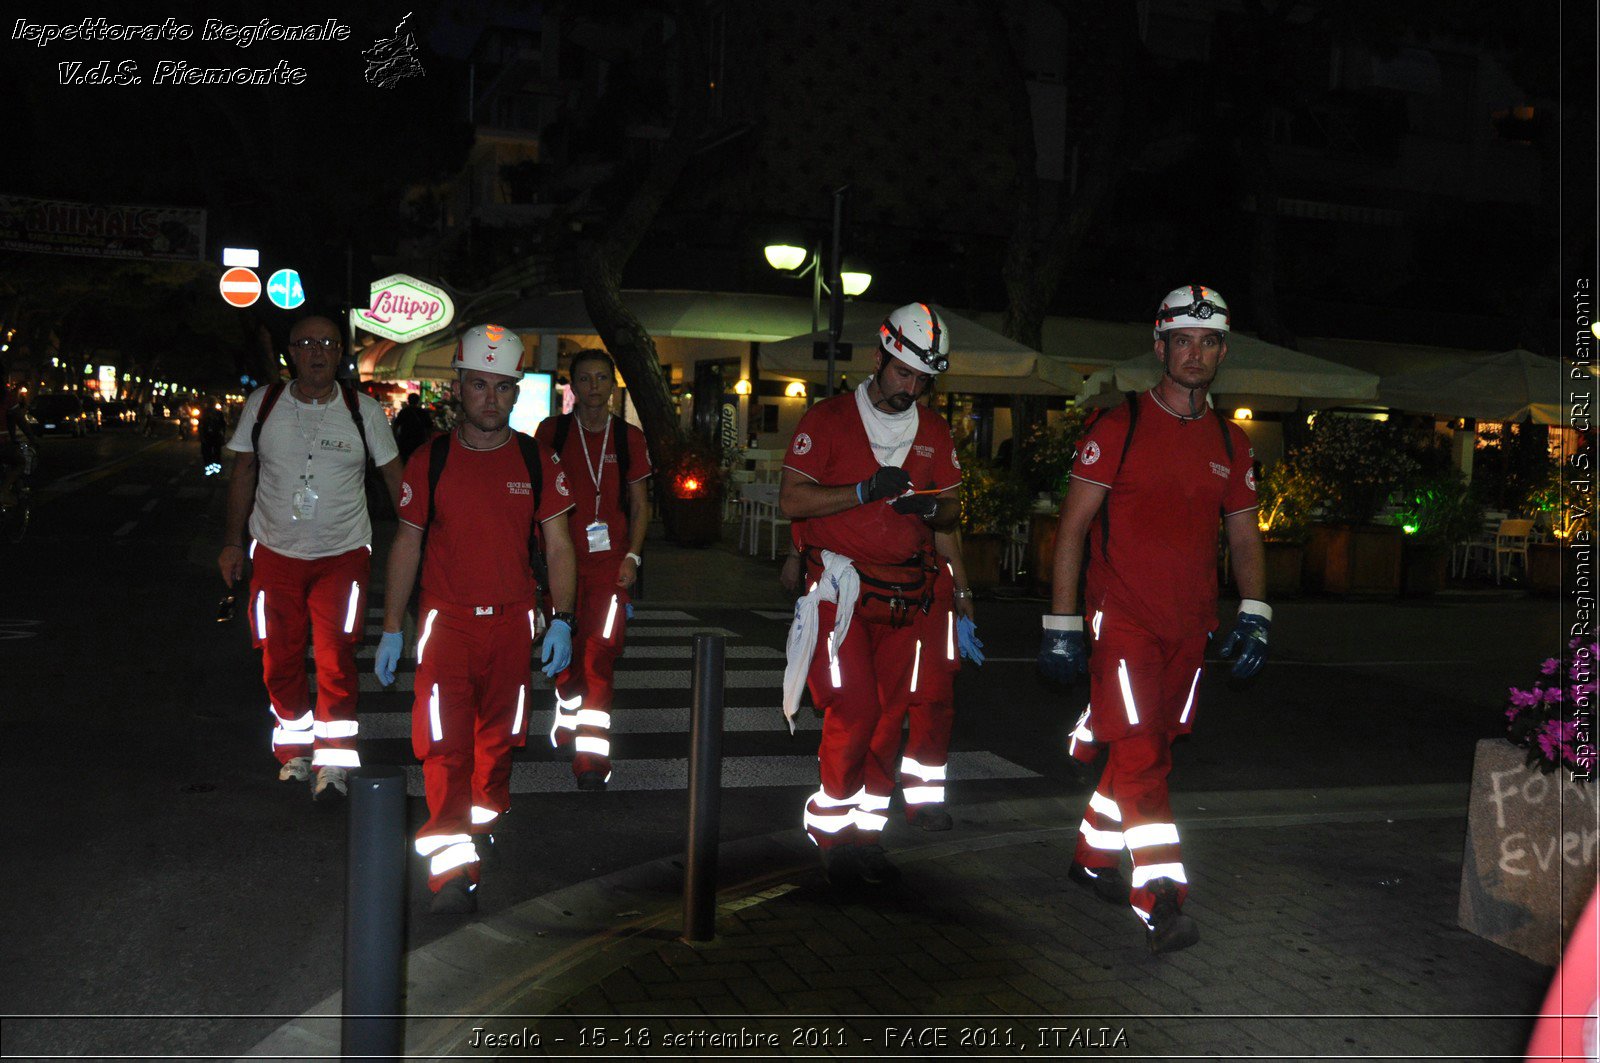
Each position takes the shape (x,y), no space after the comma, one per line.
(285,290)
(240,287)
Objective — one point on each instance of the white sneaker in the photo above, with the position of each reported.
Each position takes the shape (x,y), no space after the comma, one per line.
(296,770)
(332,784)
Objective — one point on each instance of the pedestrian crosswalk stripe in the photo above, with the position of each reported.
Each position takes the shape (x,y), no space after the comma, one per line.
(660,614)
(654,679)
(686,652)
(773,614)
(634,632)
(742,719)
(530,777)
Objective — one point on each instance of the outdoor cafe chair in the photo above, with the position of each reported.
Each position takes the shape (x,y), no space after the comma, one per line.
(1511,541)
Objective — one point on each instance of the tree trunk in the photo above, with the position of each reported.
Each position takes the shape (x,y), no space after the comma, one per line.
(600,263)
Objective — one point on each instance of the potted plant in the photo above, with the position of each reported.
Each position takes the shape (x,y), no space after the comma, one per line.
(1048,452)
(993,502)
(1288,494)
(1357,465)
(1527,870)
(1567,516)
(692,475)
(1436,511)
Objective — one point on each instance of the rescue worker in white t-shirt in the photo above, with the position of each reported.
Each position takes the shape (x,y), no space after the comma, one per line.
(299,479)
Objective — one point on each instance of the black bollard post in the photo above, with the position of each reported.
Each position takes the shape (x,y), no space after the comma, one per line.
(705,791)
(374,915)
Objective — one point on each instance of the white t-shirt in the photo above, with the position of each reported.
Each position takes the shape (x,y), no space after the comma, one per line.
(336,468)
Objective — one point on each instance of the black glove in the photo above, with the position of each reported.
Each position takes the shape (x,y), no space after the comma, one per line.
(923,506)
(1248,639)
(887,482)
(1063,654)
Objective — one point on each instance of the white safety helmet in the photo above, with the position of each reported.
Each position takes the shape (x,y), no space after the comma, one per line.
(1192,306)
(916,335)
(490,348)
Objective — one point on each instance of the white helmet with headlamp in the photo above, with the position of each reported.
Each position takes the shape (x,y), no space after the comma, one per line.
(916,335)
(1192,306)
(489,348)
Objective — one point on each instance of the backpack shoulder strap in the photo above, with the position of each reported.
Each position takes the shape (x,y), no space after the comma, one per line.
(268,401)
(352,401)
(438,451)
(1227,436)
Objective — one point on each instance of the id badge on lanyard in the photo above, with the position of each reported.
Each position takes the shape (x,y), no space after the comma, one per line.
(597,533)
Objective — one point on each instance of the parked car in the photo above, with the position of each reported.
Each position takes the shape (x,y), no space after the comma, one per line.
(60,412)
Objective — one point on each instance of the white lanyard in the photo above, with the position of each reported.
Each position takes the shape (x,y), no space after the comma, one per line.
(597,470)
(310,437)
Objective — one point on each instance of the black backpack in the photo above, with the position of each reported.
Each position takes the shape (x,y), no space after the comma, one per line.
(439,451)
(1127,441)
(619,430)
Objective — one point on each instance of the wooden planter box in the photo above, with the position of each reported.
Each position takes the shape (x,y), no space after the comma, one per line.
(1042,550)
(1529,863)
(1285,562)
(1353,559)
(1548,563)
(981,551)
(693,521)
(1424,568)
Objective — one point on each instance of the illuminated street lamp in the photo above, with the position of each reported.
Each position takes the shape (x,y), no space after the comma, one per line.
(788,258)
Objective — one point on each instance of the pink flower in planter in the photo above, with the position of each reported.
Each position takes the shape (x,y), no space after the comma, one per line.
(1550,666)
(1524,699)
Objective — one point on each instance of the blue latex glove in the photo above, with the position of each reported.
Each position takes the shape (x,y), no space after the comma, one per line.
(557,648)
(628,610)
(1249,640)
(967,639)
(389,647)
(1064,655)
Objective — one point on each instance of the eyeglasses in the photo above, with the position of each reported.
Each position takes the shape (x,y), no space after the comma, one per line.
(317,343)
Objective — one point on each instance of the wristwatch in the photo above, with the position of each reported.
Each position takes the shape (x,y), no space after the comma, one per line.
(638,562)
(571,620)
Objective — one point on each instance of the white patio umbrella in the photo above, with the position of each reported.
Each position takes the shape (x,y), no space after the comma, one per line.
(1512,385)
(1256,367)
(982,361)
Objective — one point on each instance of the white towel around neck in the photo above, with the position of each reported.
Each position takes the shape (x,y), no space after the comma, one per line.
(890,433)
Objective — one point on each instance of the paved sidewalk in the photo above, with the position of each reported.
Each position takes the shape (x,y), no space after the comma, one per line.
(1327,929)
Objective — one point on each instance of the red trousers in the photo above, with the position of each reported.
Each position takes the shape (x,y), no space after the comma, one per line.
(932,703)
(583,690)
(863,687)
(328,596)
(473,672)
(1142,692)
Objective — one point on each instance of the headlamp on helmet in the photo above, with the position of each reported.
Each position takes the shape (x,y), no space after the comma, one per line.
(1193,306)
(489,348)
(916,335)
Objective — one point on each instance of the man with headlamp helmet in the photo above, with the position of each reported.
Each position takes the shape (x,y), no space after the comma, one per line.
(470,504)
(1150,482)
(868,478)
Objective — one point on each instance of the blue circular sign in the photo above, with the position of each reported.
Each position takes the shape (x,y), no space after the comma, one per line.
(284,289)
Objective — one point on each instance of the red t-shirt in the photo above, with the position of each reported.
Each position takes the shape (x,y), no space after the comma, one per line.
(831,447)
(1158,565)
(580,466)
(477,552)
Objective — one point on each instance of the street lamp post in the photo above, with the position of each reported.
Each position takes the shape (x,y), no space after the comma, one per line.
(839,283)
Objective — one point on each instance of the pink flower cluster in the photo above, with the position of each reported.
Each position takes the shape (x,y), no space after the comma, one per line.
(1545,717)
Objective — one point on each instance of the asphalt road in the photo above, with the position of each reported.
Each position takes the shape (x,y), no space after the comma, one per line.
(159,869)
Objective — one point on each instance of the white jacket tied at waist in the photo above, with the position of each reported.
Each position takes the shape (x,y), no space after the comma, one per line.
(839,583)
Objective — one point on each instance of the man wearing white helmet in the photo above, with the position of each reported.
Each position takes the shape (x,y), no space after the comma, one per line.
(471,504)
(299,474)
(1151,481)
(868,479)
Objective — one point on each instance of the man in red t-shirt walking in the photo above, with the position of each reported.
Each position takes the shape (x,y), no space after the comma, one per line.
(1151,481)
(871,474)
(473,497)
(607,466)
